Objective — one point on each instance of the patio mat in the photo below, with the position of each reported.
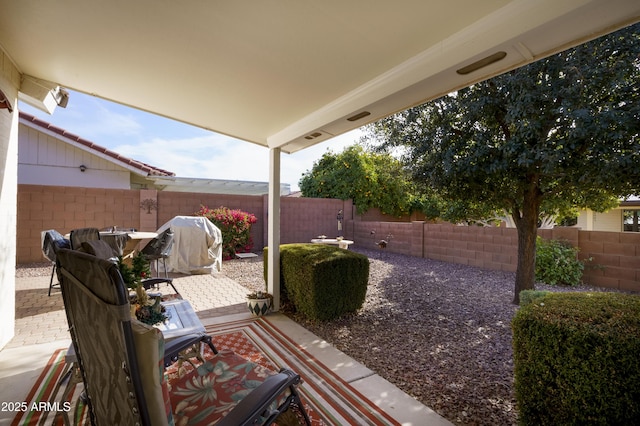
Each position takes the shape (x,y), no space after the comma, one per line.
(328,399)
(45,404)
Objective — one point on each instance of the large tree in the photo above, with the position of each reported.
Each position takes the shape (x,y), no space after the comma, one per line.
(560,132)
(369,179)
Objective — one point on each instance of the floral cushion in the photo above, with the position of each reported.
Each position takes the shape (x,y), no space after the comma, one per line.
(150,355)
(207,392)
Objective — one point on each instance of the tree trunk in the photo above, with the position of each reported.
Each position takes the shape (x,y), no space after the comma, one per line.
(527,227)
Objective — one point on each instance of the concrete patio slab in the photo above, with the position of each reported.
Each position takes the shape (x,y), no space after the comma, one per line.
(41,328)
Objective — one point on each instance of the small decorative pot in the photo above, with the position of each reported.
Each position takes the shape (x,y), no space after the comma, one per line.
(259,307)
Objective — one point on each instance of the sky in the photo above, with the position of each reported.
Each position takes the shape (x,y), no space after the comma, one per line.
(183,149)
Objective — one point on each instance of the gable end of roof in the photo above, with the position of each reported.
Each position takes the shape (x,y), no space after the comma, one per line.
(147,169)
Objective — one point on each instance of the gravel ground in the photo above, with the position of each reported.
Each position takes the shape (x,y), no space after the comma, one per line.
(439,331)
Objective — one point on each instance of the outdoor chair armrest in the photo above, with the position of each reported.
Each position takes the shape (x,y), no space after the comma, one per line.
(151,282)
(253,406)
(173,348)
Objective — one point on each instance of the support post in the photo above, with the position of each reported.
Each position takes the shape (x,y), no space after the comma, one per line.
(273,238)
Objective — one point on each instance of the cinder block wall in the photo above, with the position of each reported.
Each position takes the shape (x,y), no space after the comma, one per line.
(489,248)
(63,209)
(615,255)
(398,236)
(66,208)
(615,259)
(302,219)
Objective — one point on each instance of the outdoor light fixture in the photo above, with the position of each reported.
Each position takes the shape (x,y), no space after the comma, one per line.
(61,97)
(83,168)
(42,94)
(498,56)
(358,116)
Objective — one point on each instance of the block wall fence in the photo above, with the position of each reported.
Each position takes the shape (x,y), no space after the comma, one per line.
(616,254)
(66,208)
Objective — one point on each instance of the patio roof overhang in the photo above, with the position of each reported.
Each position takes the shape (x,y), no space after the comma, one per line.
(285,74)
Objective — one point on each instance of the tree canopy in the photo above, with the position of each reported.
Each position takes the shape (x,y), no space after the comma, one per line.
(369,179)
(559,133)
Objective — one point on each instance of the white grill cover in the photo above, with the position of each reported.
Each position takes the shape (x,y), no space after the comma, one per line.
(197,245)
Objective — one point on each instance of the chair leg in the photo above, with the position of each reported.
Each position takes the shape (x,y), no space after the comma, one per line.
(51,285)
(164,265)
(298,406)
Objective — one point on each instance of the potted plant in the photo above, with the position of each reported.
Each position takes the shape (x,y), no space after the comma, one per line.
(146,309)
(259,303)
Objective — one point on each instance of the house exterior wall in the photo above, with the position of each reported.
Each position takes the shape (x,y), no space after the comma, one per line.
(9,84)
(585,220)
(610,221)
(44,159)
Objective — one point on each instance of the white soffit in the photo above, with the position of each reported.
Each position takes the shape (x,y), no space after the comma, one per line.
(215,186)
(288,73)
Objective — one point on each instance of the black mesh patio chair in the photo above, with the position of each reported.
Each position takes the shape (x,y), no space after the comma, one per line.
(122,362)
(101,249)
(80,235)
(159,248)
(52,240)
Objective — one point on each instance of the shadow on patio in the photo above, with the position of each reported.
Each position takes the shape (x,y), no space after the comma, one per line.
(219,301)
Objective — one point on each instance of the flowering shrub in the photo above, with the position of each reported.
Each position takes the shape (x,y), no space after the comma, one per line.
(235,226)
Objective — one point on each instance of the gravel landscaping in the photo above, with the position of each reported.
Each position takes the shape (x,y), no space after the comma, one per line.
(439,331)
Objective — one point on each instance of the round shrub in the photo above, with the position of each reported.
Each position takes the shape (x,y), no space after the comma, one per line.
(557,263)
(576,359)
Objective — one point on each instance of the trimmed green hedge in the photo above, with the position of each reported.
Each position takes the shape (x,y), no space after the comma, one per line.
(321,281)
(528,296)
(577,359)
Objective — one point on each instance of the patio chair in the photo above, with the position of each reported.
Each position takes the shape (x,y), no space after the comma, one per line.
(103,250)
(52,240)
(159,248)
(122,361)
(80,235)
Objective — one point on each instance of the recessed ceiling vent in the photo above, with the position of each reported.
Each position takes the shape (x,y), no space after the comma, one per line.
(359,115)
(498,56)
(313,135)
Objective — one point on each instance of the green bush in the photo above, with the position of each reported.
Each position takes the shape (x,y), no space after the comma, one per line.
(576,359)
(557,263)
(528,296)
(322,282)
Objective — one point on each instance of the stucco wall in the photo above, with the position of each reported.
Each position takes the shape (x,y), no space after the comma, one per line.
(9,83)
(610,221)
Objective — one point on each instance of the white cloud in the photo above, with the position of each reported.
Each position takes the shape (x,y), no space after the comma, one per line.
(220,157)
